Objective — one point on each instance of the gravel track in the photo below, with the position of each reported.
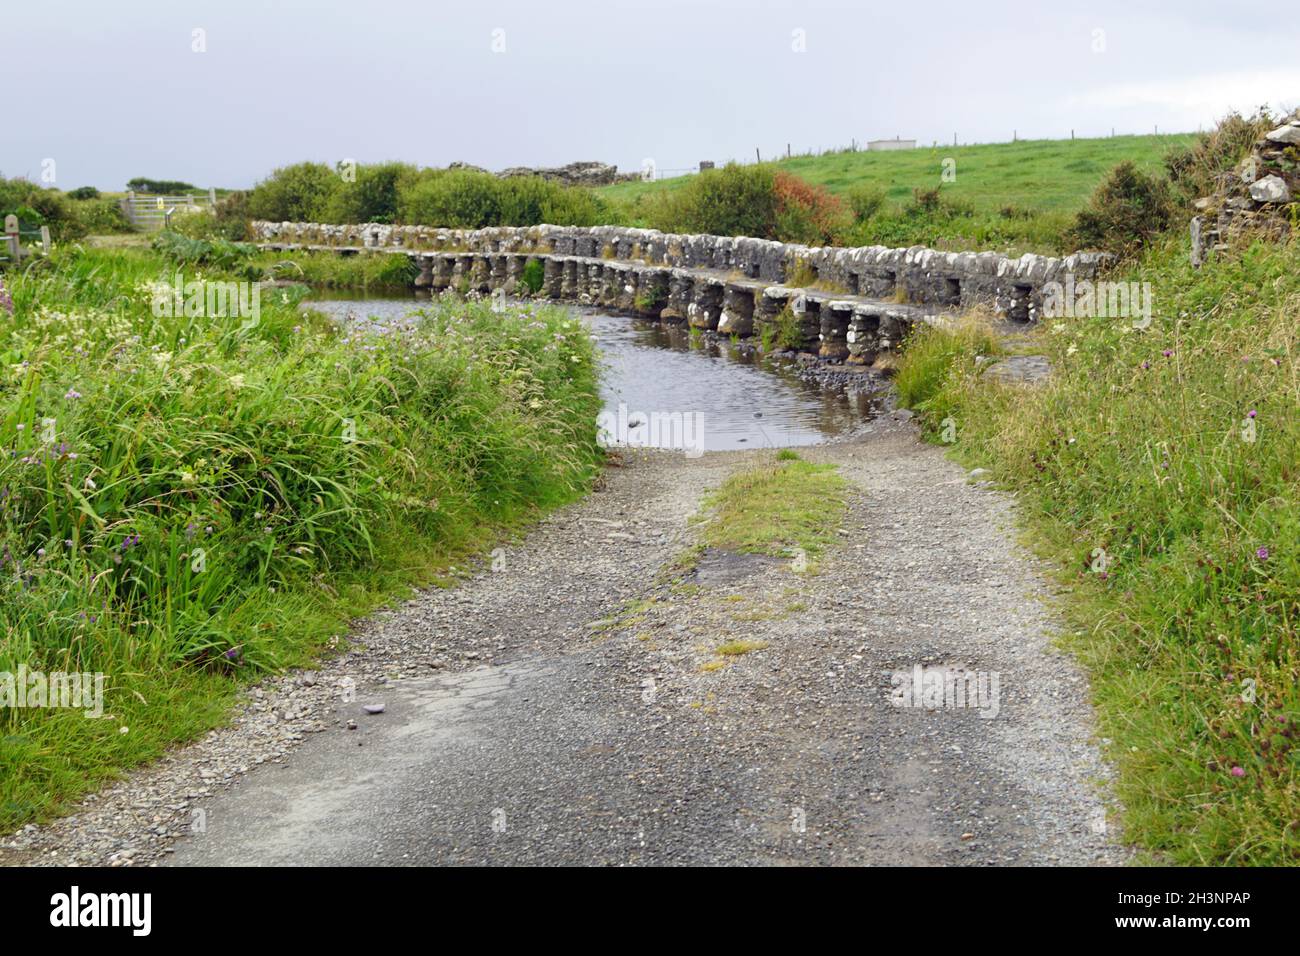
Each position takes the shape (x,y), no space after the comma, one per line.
(570,706)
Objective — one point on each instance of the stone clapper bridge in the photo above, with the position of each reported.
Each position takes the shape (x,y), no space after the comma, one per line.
(853,305)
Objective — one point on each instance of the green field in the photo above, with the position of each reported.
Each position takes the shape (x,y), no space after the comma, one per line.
(1017,196)
(1044,174)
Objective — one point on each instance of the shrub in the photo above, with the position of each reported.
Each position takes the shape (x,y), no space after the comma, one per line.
(298,193)
(865,201)
(731,201)
(372,197)
(1128,209)
(807,213)
(37,206)
(458,199)
(100,217)
(83,192)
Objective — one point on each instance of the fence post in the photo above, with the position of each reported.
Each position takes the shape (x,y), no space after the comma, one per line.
(128,207)
(45,239)
(212,197)
(11,237)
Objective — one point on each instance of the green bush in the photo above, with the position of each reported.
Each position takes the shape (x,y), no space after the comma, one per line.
(865,201)
(298,193)
(373,196)
(459,199)
(1128,209)
(83,192)
(734,200)
(98,217)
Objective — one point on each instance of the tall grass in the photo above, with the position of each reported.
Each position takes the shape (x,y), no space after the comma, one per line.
(1161,469)
(188,501)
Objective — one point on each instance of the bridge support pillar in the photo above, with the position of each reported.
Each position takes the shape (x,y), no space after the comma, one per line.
(551,276)
(681,285)
(835,317)
(425,279)
(737,311)
(863,338)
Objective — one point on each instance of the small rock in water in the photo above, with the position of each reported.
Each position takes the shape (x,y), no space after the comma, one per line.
(373,708)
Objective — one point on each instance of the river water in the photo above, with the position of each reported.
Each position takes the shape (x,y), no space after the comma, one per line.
(658,375)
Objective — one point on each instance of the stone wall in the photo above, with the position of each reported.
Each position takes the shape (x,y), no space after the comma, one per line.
(1257,196)
(943,281)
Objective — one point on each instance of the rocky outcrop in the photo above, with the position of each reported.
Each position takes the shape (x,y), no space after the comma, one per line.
(1256,196)
(574,174)
(589,173)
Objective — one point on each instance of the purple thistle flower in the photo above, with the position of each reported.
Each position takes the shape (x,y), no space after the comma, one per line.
(1262,554)
(1251,413)
(1167,352)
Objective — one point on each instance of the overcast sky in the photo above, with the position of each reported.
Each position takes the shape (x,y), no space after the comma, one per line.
(110,89)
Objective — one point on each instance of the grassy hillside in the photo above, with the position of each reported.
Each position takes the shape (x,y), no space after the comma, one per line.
(1014,196)
(1043,174)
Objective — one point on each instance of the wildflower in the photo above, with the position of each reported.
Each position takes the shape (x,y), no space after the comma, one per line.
(237,381)
(1237,772)
(6,301)
(1167,352)
(40,552)
(72,395)
(1251,413)
(1146,364)
(1262,554)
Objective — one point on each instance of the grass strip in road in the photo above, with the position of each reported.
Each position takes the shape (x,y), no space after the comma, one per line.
(788,506)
